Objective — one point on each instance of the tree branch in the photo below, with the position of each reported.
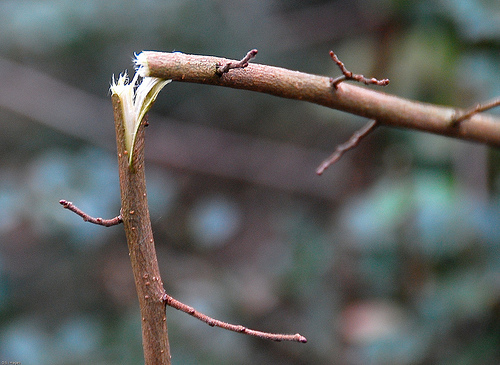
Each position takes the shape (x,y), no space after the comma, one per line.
(382,108)
(349,145)
(222,69)
(348,75)
(136,220)
(87,218)
(386,109)
(460,116)
(141,247)
(230,327)
(174,303)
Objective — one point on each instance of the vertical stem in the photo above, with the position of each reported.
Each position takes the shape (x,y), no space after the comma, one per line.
(135,215)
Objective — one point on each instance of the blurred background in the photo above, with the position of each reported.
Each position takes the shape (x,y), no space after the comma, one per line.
(391,257)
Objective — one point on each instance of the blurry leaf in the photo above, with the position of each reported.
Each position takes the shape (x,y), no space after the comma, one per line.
(477,20)
(214,220)
(374,217)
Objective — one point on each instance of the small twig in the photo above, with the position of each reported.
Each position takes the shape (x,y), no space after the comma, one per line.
(350,144)
(478,108)
(363,132)
(87,218)
(222,69)
(231,327)
(348,75)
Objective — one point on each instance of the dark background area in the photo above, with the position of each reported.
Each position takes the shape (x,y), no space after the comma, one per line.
(391,257)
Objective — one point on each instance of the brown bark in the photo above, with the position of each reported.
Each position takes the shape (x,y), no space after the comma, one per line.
(386,109)
(135,215)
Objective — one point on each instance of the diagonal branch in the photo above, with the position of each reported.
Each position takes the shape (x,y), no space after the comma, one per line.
(181,306)
(87,218)
(478,108)
(174,303)
(387,109)
(349,145)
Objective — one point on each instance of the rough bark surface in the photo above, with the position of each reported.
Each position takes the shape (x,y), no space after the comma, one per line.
(135,215)
(386,109)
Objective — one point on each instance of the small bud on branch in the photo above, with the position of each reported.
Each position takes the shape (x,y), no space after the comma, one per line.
(348,75)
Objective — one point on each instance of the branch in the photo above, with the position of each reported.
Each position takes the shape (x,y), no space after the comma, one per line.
(363,132)
(386,109)
(348,75)
(478,108)
(137,223)
(222,69)
(87,218)
(350,144)
(174,303)
(141,247)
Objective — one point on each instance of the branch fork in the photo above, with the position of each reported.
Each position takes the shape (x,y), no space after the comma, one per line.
(131,101)
(348,75)
(222,69)
(460,116)
(174,303)
(363,132)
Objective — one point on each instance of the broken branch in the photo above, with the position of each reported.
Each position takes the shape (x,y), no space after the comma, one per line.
(387,109)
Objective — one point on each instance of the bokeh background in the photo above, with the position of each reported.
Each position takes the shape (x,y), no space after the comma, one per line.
(391,257)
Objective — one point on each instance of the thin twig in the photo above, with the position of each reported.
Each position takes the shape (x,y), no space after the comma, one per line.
(348,75)
(87,218)
(231,327)
(222,69)
(478,108)
(350,144)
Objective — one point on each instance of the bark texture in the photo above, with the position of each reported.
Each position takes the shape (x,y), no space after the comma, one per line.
(386,109)
(135,215)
